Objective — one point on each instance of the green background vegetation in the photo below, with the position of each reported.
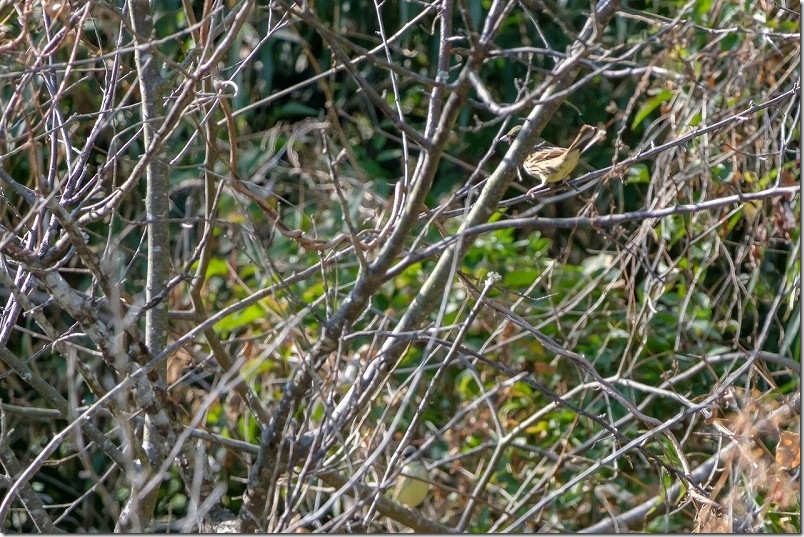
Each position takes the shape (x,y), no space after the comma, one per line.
(677,302)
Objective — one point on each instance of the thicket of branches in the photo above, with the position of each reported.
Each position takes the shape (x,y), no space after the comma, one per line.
(249,251)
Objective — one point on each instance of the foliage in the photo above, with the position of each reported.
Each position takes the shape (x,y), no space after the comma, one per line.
(352,266)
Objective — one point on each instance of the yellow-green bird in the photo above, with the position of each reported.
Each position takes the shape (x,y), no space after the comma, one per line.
(413,483)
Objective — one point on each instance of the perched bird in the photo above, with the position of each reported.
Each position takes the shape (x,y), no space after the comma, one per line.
(550,164)
(413,482)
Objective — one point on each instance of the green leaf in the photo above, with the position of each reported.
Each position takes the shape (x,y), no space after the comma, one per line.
(241,318)
(650,105)
(217,267)
(295,109)
(519,278)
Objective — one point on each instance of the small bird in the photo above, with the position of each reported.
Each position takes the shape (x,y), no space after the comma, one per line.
(550,164)
(413,483)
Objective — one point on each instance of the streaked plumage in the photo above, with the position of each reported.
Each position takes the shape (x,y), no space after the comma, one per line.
(550,164)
